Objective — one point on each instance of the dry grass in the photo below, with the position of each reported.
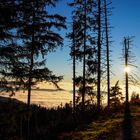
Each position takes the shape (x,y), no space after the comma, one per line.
(108,129)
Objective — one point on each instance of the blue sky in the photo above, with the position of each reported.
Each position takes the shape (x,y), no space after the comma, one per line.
(125,21)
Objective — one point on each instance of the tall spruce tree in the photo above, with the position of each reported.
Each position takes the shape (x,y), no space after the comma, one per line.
(38,37)
(35,37)
(103,46)
(86,52)
(107,12)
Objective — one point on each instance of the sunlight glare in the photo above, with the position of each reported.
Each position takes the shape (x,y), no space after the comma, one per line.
(127,69)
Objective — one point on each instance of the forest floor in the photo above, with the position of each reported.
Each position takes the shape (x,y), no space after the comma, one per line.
(120,126)
(51,124)
(130,129)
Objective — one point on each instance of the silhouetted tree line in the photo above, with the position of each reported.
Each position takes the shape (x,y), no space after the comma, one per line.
(28,33)
(44,123)
(91,46)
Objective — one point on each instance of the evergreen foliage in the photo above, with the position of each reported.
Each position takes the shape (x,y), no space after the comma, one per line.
(116,96)
(32,38)
(85,45)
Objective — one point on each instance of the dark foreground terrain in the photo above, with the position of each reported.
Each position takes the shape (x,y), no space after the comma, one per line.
(17,122)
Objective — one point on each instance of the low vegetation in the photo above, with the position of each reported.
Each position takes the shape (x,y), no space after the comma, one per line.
(52,123)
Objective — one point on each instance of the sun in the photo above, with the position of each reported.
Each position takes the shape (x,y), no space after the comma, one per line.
(127,69)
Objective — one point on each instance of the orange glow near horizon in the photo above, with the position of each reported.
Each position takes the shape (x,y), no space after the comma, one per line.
(63,84)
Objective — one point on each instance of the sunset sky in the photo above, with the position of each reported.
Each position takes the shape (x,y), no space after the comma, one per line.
(125,21)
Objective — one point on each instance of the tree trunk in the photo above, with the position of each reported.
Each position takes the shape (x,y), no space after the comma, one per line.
(31,64)
(30,79)
(108,59)
(74,67)
(99,57)
(84,56)
(126,44)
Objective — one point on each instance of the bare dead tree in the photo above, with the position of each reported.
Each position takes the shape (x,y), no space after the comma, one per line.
(129,62)
(99,56)
(107,50)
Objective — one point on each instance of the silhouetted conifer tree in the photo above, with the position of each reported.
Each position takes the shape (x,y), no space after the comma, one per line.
(35,37)
(107,44)
(116,96)
(102,30)
(85,44)
(32,37)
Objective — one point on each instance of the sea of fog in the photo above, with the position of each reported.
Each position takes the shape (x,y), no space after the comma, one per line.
(49,97)
(45,98)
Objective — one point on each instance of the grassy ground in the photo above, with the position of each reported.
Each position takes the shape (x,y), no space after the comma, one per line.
(119,126)
(130,129)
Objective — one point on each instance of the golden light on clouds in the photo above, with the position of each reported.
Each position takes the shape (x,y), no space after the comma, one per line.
(63,85)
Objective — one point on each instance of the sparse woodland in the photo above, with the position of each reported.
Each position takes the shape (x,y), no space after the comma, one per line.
(28,33)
